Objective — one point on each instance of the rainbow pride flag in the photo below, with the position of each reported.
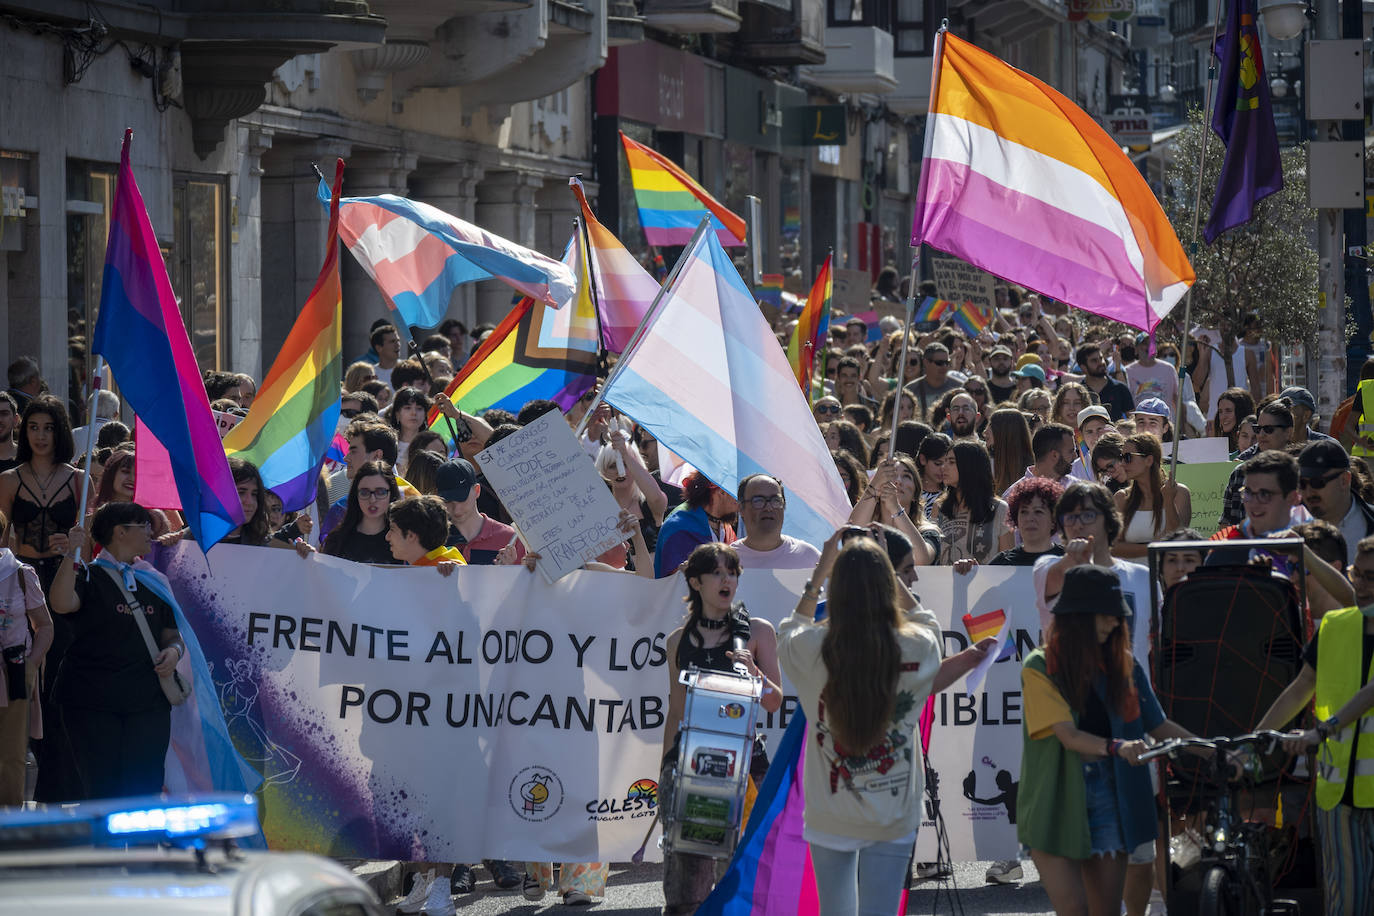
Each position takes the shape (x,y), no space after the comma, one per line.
(770,289)
(291,425)
(140,333)
(671,203)
(536,352)
(971,319)
(812,327)
(1088,229)
(624,289)
(931,309)
(984,625)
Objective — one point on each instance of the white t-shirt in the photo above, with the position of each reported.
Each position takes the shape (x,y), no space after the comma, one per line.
(1353,527)
(1135,587)
(1157,381)
(790,554)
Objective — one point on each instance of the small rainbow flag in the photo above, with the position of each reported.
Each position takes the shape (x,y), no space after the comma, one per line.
(770,289)
(931,309)
(292,423)
(984,625)
(971,319)
(812,328)
(671,203)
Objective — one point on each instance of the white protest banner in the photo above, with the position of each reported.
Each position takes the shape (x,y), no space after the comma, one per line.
(225,421)
(401,714)
(552,490)
(960,281)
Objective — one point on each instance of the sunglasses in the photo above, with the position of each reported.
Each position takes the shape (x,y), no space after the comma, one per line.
(1128,457)
(1270,428)
(976,392)
(827,408)
(1317,483)
(349,413)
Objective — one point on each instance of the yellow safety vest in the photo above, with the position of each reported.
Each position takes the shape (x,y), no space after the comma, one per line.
(1365,392)
(1340,646)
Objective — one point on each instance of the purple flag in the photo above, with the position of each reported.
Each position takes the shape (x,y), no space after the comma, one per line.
(1244,119)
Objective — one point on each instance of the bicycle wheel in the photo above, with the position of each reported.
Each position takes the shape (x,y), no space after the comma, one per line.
(1219,895)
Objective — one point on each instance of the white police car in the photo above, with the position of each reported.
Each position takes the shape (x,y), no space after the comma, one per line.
(149,856)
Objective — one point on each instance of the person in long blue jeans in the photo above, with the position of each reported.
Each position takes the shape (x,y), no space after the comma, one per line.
(862,676)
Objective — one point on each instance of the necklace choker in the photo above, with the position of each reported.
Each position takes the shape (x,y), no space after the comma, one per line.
(708,623)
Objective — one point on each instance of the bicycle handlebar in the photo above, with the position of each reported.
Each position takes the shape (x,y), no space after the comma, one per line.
(1220,743)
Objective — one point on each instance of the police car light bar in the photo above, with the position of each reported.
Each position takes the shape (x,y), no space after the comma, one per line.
(184,821)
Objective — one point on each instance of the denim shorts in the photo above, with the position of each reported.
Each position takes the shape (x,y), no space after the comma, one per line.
(1104,820)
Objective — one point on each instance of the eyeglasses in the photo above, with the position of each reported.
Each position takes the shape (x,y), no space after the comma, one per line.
(1317,483)
(828,408)
(1270,428)
(767,502)
(379,493)
(1109,468)
(1259,496)
(1084,517)
(938,362)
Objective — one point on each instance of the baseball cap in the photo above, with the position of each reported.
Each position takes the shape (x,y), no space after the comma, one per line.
(454,480)
(1030,370)
(1096,410)
(1154,406)
(1027,359)
(1321,456)
(1300,396)
(999,350)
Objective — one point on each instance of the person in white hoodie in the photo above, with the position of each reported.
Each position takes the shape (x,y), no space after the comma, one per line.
(864,770)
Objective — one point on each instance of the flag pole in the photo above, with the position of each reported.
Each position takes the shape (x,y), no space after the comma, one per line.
(649,315)
(96,382)
(906,343)
(1192,249)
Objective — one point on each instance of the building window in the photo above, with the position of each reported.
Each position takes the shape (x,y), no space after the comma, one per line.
(90,196)
(846,12)
(910,36)
(198,263)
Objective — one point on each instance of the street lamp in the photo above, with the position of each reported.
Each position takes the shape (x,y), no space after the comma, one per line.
(1284,19)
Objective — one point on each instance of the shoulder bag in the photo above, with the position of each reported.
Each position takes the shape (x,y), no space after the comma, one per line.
(174,687)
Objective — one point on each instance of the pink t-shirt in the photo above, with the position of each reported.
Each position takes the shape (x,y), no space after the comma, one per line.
(790,554)
(15,602)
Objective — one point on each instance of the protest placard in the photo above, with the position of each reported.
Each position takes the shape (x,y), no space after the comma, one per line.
(1200,451)
(1207,484)
(850,289)
(559,502)
(225,421)
(960,281)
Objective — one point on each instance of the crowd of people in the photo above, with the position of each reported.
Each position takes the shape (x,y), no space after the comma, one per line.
(1043,442)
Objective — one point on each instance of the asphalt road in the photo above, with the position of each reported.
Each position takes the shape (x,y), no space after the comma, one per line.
(637,889)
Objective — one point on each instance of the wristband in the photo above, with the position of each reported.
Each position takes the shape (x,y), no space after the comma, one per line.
(1113,745)
(1325,728)
(898,514)
(810,590)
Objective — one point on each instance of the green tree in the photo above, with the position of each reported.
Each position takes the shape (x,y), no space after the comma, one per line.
(1268,266)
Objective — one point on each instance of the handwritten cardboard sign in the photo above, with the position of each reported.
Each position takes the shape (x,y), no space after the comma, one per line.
(959,281)
(554,494)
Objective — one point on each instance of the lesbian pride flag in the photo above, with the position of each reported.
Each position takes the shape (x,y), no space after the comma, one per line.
(671,203)
(140,333)
(1019,181)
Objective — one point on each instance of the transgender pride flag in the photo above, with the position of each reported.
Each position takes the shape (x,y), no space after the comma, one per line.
(418,255)
(140,333)
(708,379)
(1023,183)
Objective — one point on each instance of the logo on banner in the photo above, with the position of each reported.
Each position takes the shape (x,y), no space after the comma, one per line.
(640,800)
(536,793)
